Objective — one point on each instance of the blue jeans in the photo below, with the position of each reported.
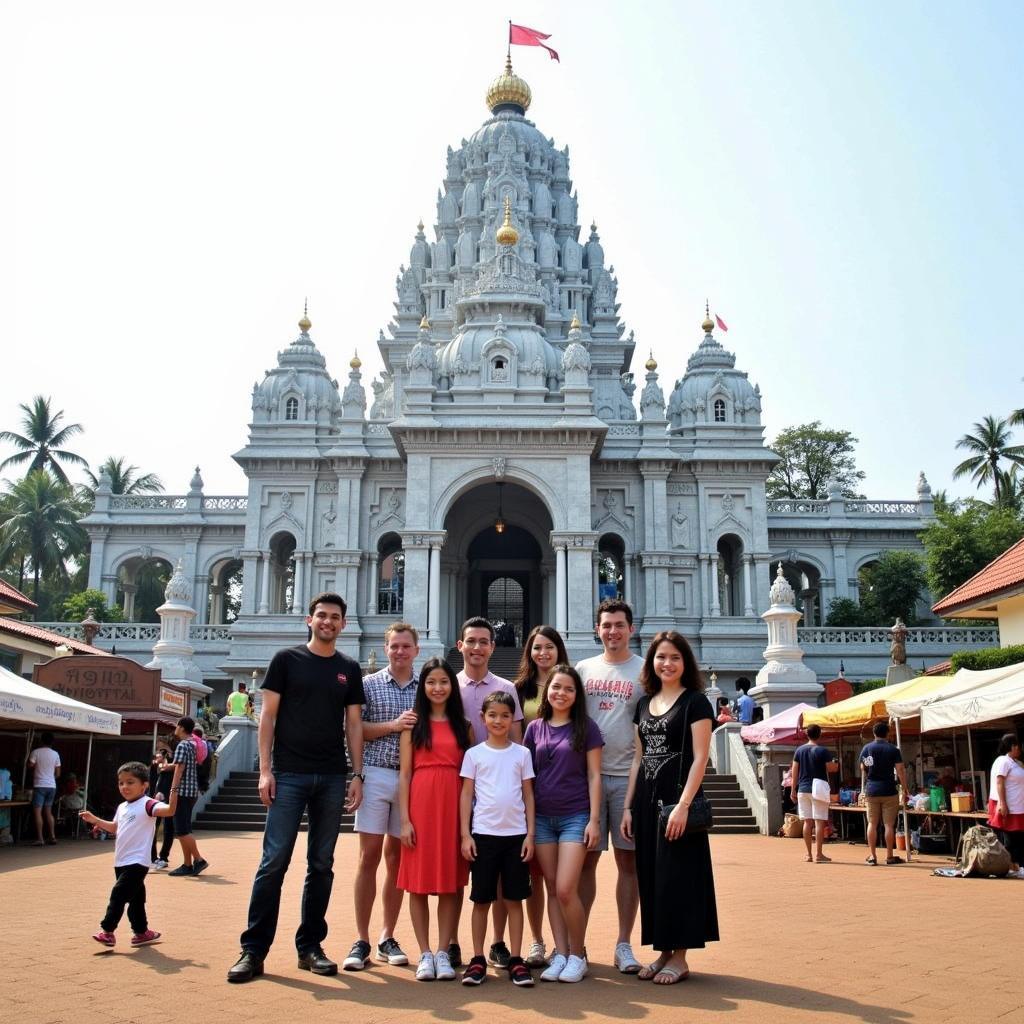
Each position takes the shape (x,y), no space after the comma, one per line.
(324,798)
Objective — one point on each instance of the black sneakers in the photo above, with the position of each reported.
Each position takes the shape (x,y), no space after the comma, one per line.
(390,952)
(499,956)
(358,956)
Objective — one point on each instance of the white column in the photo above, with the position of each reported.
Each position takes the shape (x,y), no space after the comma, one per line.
(748,605)
(434,608)
(561,606)
(716,608)
(597,580)
(128,610)
(371,584)
(264,608)
(297,585)
(630,595)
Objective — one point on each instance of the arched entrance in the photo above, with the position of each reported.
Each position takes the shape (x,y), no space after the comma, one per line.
(506,575)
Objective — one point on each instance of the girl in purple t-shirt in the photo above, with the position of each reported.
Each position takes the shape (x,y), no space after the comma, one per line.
(566,749)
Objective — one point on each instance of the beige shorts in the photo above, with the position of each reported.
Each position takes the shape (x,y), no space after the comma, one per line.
(810,809)
(882,808)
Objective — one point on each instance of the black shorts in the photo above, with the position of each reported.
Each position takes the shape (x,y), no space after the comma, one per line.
(183,815)
(499,857)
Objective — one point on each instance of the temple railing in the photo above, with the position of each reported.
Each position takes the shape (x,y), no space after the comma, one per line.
(951,637)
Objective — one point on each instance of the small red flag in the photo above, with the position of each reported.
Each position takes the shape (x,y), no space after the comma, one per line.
(520,35)
(721,323)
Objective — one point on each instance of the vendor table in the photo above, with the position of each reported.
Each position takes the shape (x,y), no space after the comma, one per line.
(958,816)
(14,805)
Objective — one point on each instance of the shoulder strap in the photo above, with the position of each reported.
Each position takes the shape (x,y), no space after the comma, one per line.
(688,697)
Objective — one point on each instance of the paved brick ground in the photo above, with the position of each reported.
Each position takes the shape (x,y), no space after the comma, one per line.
(822,943)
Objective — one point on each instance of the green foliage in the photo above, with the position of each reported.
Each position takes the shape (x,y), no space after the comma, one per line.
(77,606)
(844,611)
(811,455)
(867,684)
(152,580)
(989,445)
(123,479)
(891,587)
(988,657)
(964,538)
(41,446)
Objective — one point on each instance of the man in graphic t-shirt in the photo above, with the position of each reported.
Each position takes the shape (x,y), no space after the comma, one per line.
(312,697)
(880,763)
(611,682)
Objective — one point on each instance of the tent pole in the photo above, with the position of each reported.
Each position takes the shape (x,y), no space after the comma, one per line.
(30,736)
(906,817)
(970,754)
(155,727)
(88,766)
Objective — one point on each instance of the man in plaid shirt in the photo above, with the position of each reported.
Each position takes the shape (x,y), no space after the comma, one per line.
(387,713)
(186,784)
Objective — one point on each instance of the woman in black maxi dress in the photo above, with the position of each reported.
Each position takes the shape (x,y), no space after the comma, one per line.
(677,888)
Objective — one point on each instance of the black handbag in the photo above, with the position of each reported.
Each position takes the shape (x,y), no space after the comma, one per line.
(699,818)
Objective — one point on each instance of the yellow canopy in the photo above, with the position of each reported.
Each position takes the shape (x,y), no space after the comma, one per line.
(861,709)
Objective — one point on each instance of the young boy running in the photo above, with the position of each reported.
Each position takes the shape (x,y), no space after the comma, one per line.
(497,821)
(133,826)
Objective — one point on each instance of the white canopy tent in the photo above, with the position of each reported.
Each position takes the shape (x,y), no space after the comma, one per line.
(961,682)
(1000,698)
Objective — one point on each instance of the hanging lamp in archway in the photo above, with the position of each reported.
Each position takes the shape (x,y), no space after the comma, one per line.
(499,523)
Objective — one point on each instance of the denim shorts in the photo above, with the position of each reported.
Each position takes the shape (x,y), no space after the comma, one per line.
(43,796)
(561,828)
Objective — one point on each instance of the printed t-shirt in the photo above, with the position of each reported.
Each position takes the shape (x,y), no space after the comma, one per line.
(309,735)
(880,758)
(561,772)
(812,761)
(613,691)
(45,762)
(133,842)
(498,774)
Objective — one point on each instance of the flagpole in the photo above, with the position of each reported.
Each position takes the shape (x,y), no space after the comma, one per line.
(509,50)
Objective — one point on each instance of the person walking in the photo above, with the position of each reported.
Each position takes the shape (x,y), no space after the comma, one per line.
(496,815)
(387,714)
(429,787)
(678,910)
(45,764)
(1006,798)
(566,749)
(810,783)
(312,698)
(161,776)
(612,685)
(880,764)
(185,782)
(476,682)
(542,651)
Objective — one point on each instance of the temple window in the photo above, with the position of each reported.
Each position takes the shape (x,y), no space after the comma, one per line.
(719,410)
(291,409)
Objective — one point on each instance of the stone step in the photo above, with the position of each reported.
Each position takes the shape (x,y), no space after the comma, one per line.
(734,830)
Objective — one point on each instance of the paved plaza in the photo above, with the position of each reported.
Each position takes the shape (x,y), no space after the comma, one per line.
(801,942)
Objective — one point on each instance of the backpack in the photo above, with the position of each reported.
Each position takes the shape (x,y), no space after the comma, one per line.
(980,853)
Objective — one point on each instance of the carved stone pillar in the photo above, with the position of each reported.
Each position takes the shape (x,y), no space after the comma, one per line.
(748,603)
(128,609)
(716,607)
(372,584)
(297,603)
(264,608)
(561,605)
(434,607)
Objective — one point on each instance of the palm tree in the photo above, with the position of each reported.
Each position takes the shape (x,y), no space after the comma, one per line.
(989,444)
(43,440)
(40,518)
(123,479)
(1016,418)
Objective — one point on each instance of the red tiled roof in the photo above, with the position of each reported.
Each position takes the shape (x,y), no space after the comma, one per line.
(26,629)
(941,668)
(1004,573)
(12,595)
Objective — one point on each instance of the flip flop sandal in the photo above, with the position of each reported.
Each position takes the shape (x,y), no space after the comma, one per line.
(871,860)
(895,860)
(674,973)
(649,972)
(823,860)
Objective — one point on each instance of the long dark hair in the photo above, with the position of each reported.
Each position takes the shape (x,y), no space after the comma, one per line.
(453,708)
(578,717)
(692,678)
(527,678)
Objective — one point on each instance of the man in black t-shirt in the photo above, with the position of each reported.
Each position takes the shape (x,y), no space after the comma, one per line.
(312,698)
(880,763)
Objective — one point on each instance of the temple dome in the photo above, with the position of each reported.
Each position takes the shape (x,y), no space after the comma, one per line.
(509,92)
(528,341)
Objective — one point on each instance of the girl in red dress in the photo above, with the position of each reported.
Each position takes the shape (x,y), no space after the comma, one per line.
(428,792)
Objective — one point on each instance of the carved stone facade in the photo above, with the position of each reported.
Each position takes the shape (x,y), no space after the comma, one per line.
(508,385)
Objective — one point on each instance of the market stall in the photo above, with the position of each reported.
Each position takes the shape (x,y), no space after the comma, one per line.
(783,728)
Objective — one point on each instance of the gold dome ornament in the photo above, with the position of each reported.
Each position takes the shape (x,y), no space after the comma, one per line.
(708,324)
(651,364)
(575,325)
(355,362)
(509,90)
(507,234)
(304,323)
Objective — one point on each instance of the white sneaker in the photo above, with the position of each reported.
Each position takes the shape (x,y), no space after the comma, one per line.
(575,969)
(555,968)
(443,969)
(625,962)
(425,970)
(159,865)
(538,956)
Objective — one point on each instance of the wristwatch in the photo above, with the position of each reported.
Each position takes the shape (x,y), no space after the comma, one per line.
(359,775)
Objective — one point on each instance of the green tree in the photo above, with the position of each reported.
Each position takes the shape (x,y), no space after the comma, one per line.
(123,479)
(989,446)
(41,518)
(964,538)
(42,443)
(151,579)
(844,611)
(891,587)
(77,606)
(810,456)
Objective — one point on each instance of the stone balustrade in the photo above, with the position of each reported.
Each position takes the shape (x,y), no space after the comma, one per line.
(137,632)
(854,507)
(175,503)
(945,637)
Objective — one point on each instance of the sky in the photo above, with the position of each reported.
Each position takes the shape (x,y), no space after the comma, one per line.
(841,180)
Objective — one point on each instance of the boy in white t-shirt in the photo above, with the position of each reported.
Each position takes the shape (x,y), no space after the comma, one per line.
(497,822)
(133,826)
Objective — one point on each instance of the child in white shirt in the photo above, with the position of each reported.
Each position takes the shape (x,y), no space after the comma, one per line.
(133,826)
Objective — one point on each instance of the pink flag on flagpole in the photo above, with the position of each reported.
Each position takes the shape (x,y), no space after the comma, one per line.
(520,35)
(721,323)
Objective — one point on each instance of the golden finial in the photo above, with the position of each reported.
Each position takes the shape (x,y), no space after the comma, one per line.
(507,234)
(709,324)
(575,325)
(651,364)
(355,361)
(424,324)
(508,89)
(304,323)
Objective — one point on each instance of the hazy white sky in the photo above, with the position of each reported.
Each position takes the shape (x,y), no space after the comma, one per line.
(842,180)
